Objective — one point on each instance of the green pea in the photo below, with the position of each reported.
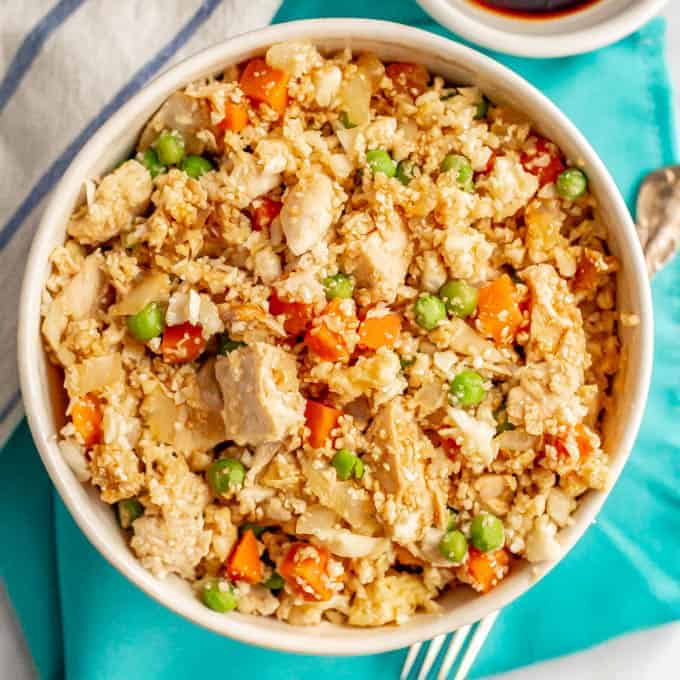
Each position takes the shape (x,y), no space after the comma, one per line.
(225,473)
(502,422)
(429,310)
(147,323)
(219,595)
(486,532)
(225,344)
(461,166)
(406,171)
(572,184)
(338,286)
(257,529)
(346,122)
(128,511)
(453,546)
(347,464)
(453,520)
(482,108)
(195,166)
(381,161)
(149,159)
(170,148)
(460,298)
(406,362)
(274,582)
(468,388)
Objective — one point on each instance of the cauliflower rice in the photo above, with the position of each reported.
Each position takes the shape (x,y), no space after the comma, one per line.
(338,337)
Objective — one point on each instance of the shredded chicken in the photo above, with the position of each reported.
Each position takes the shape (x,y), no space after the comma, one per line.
(121,196)
(307,212)
(380,261)
(77,300)
(556,356)
(262,401)
(402,458)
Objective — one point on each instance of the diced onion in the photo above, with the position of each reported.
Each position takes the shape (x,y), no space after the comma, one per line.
(152,288)
(94,374)
(162,414)
(352,504)
(371,68)
(355,99)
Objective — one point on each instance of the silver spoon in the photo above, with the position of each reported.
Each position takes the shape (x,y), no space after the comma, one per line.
(658,217)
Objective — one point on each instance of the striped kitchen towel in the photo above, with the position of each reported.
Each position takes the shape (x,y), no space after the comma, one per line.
(65,67)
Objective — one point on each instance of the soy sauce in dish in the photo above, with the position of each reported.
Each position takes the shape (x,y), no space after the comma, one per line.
(535,9)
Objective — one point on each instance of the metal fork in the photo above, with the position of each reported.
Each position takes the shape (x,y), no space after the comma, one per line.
(456,645)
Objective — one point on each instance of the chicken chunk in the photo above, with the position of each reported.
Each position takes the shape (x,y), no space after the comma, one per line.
(121,196)
(77,300)
(174,544)
(262,401)
(248,180)
(380,261)
(412,476)
(556,357)
(307,212)
(377,376)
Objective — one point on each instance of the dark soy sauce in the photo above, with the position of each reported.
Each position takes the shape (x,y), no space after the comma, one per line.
(535,9)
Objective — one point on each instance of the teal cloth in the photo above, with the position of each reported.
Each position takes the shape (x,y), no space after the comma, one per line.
(84,620)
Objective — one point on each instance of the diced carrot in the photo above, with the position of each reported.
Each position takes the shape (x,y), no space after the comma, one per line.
(487,569)
(584,441)
(582,438)
(305,570)
(298,314)
(261,82)
(263,211)
(586,276)
(235,117)
(490,164)
(498,312)
(326,344)
(86,415)
(325,340)
(182,343)
(379,331)
(409,78)
(544,161)
(320,419)
(244,563)
(451,448)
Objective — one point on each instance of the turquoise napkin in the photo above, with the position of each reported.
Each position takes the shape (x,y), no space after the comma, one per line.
(83,620)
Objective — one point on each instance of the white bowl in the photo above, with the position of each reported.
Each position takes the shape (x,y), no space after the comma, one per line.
(595,26)
(115,140)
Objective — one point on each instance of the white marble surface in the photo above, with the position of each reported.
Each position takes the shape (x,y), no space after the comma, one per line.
(650,655)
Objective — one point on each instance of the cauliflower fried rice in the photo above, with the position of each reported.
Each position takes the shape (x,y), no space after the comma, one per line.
(338,337)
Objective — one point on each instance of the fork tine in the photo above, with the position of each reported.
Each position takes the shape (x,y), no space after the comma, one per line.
(410,660)
(476,642)
(431,656)
(457,642)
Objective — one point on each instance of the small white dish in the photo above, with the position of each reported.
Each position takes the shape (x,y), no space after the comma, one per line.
(582,30)
(114,142)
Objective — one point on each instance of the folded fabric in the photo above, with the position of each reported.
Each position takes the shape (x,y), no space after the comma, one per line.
(623,575)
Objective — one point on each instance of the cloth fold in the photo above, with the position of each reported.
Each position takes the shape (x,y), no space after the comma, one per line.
(84,620)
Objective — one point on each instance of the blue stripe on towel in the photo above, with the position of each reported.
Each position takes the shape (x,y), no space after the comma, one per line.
(9,406)
(58,167)
(31,46)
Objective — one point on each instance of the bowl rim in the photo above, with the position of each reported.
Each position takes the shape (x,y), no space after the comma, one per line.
(538,46)
(247,629)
